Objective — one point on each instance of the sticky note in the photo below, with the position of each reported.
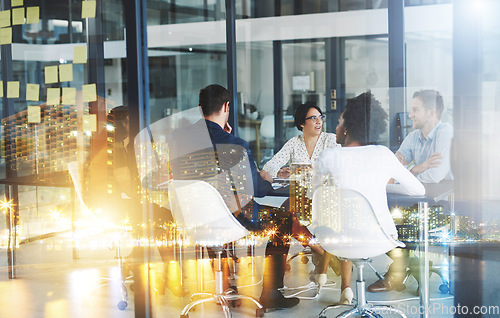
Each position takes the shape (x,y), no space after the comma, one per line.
(34,114)
(88,9)
(33,92)
(66,72)
(4,18)
(12,89)
(17,16)
(1,88)
(6,36)
(69,96)
(32,15)
(80,54)
(16,3)
(89,93)
(52,96)
(89,122)
(51,74)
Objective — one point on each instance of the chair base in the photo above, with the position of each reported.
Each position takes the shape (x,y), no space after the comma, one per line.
(220,297)
(371,311)
(223,299)
(362,308)
(414,270)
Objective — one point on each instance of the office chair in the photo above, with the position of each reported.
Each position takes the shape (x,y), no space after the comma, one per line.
(266,133)
(346,226)
(441,194)
(199,209)
(74,172)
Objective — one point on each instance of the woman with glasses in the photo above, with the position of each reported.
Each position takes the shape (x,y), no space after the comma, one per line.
(304,148)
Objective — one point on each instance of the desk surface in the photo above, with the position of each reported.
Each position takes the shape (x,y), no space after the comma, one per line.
(434,192)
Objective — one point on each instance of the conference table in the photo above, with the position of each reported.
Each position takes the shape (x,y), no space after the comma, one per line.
(434,192)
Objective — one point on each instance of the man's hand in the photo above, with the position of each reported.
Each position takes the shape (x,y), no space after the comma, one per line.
(433,161)
(401,158)
(284,173)
(266,176)
(228,128)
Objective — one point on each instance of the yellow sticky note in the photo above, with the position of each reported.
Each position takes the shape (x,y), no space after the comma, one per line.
(69,96)
(80,54)
(88,9)
(52,96)
(51,74)
(32,92)
(1,88)
(32,15)
(12,89)
(4,18)
(89,122)
(66,72)
(34,114)
(17,16)
(89,93)
(16,3)
(5,36)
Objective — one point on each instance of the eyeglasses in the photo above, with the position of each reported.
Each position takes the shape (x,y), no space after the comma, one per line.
(315,118)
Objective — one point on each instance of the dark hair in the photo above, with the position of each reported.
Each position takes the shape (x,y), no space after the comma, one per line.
(431,99)
(301,113)
(212,98)
(118,117)
(364,118)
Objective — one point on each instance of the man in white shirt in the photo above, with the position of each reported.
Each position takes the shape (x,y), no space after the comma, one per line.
(426,153)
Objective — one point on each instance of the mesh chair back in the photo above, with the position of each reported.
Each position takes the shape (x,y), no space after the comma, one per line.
(346,226)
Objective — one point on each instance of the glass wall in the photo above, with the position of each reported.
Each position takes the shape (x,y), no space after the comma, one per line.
(76,210)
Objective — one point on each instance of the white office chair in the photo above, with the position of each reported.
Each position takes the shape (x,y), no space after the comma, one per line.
(267,127)
(346,226)
(75,174)
(200,211)
(266,133)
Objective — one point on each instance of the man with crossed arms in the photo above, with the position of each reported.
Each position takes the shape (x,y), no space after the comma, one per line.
(426,153)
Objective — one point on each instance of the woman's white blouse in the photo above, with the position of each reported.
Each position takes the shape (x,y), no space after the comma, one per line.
(295,151)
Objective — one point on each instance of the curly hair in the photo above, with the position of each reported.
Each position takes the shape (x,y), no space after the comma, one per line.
(364,118)
(301,113)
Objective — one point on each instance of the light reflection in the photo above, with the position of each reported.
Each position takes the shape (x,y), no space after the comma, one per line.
(57,308)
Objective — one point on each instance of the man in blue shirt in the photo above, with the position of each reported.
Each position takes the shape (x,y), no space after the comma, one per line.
(214,101)
(426,153)
(426,150)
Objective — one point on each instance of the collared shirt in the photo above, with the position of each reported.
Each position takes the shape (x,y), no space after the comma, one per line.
(219,136)
(415,148)
(295,150)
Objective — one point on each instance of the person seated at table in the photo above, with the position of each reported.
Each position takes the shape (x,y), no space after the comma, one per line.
(214,102)
(427,148)
(304,148)
(362,166)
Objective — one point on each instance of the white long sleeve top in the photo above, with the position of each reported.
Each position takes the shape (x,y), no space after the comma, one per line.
(295,151)
(367,170)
